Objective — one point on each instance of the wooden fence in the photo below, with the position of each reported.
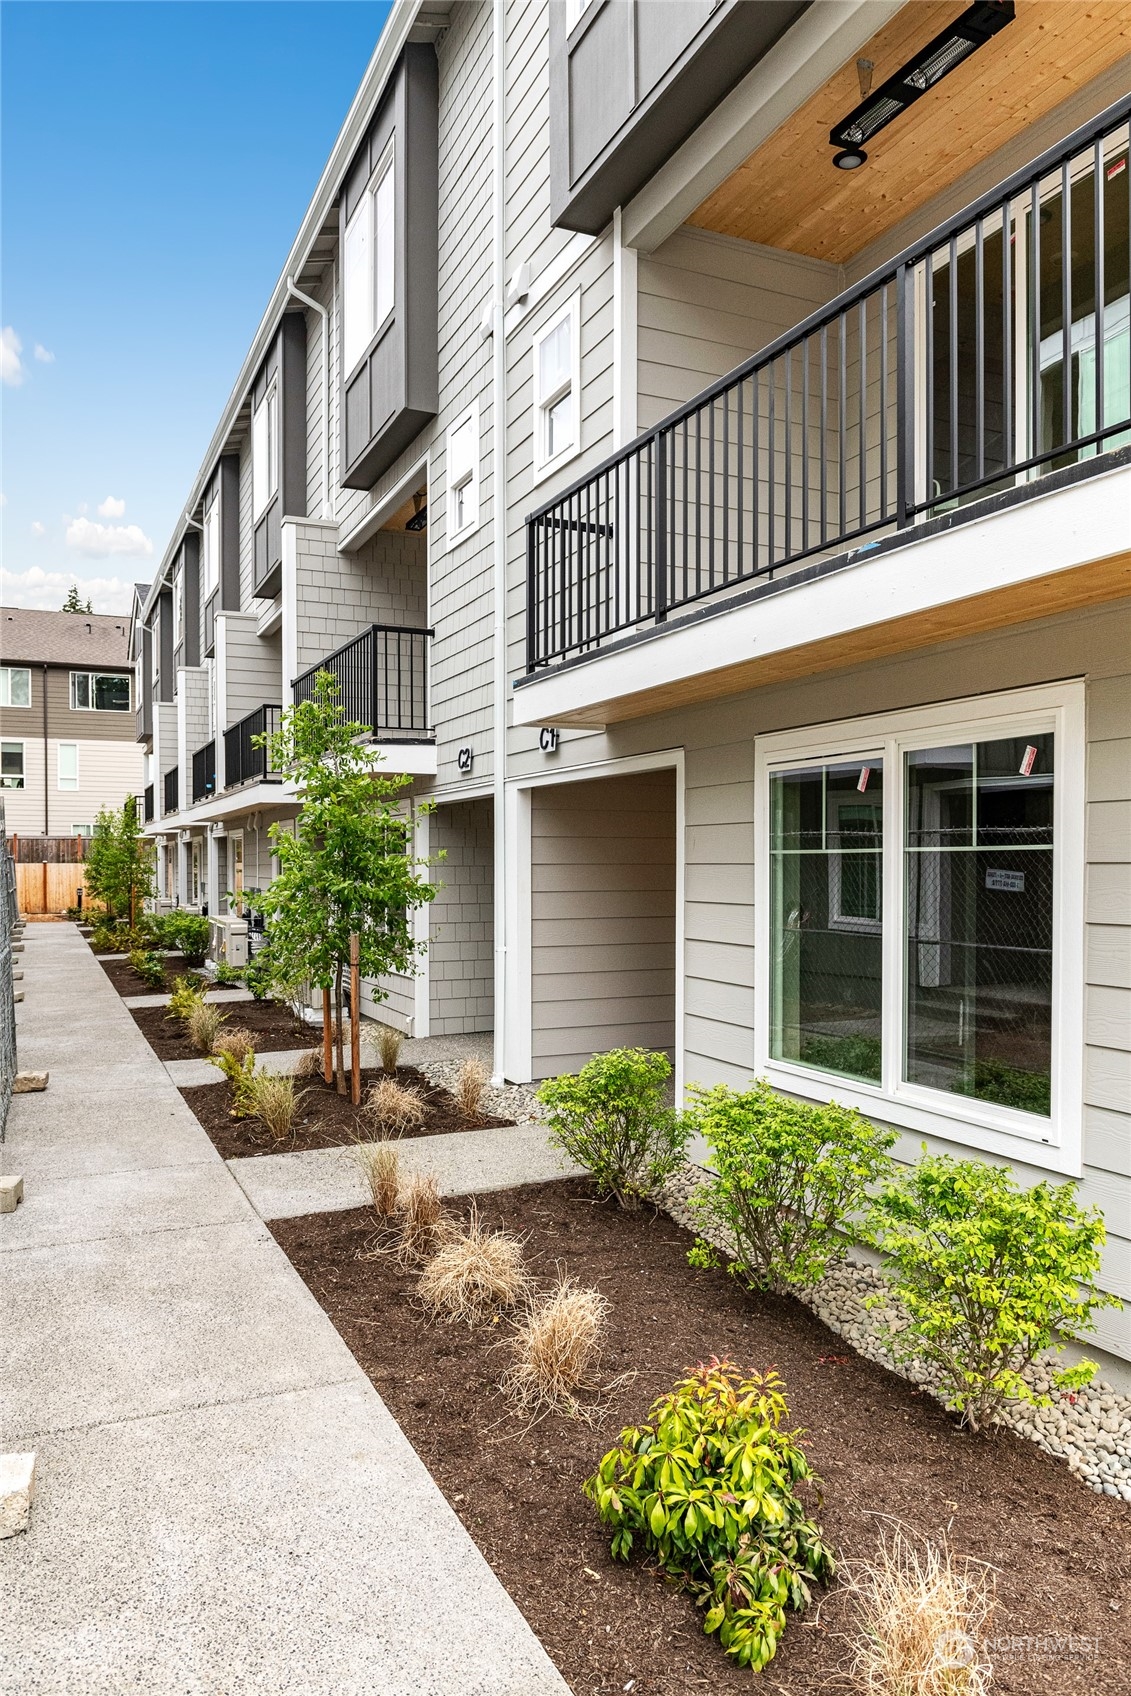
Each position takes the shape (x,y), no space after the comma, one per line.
(49,871)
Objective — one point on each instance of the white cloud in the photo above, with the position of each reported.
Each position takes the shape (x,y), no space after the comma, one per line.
(38,529)
(111,507)
(47,590)
(100,540)
(11,365)
(44,355)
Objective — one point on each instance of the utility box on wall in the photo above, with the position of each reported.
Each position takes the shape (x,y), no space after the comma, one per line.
(227,940)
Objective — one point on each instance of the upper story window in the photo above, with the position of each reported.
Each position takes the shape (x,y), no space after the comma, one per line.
(178,608)
(100,691)
(463,474)
(557,389)
(210,542)
(368,263)
(11,765)
(15,686)
(265,451)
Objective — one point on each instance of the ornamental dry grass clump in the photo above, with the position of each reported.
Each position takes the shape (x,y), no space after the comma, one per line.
(202,1026)
(275,1102)
(474,1277)
(471,1088)
(238,1043)
(423,1226)
(556,1348)
(387,1043)
(380,1168)
(921,1616)
(392,1108)
(309,1065)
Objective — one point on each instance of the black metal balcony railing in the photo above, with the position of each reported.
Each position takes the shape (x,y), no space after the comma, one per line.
(382,676)
(244,762)
(172,795)
(204,772)
(147,803)
(974,361)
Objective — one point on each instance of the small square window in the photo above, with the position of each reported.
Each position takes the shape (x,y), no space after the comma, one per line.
(15,686)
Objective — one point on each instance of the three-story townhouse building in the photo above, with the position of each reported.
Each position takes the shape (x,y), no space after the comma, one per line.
(698,438)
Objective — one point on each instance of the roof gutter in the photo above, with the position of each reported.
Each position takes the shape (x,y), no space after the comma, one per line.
(388,50)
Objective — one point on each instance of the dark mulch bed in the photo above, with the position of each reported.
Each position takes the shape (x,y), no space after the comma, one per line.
(127,982)
(881,1447)
(272,1026)
(327,1119)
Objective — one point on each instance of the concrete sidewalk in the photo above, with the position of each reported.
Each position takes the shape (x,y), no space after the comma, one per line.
(225,1505)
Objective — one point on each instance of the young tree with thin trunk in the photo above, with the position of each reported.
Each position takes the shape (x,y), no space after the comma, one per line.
(348,869)
(119,861)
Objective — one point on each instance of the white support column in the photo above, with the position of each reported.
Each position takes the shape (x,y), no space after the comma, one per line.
(515,902)
(625,370)
(421,1015)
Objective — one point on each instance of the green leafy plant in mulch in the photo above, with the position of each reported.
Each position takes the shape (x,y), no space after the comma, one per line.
(148,966)
(790,1178)
(612,1117)
(225,974)
(708,1486)
(185,933)
(185,995)
(990,1275)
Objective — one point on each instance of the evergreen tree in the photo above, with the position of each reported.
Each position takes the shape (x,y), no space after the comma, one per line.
(74,601)
(119,861)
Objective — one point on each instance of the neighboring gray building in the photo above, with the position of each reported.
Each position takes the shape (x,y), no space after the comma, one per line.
(735,548)
(66,720)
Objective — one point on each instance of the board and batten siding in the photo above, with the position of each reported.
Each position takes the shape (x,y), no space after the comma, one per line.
(602,917)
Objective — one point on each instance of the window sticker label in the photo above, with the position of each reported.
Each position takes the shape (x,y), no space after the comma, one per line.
(1029,760)
(863,781)
(1012,882)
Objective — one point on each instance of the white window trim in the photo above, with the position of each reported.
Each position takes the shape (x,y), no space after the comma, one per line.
(17,706)
(67,788)
(544,466)
(471,524)
(954,1119)
(92,708)
(366,208)
(12,741)
(261,497)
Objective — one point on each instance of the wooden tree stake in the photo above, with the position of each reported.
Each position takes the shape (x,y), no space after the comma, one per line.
(355,1018)
(327,1044)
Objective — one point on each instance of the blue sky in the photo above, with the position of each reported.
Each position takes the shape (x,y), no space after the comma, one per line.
(158,156)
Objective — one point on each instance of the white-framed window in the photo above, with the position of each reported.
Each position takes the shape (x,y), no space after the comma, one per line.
(178,619)
(196,880)
(67,765)
(919,917)
(557,389)
(210,543)
(100,691)
(463,474)
(11,765)
(265,451)
(82,830)
(369,263)
(575,10)
(15,686)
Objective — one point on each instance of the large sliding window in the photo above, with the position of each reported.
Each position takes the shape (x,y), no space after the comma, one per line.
(920,895)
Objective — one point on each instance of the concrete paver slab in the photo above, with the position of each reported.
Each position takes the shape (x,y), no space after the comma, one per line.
(285,1186)
(121,1203)
(70,1132)
(222,996)
(293,1545)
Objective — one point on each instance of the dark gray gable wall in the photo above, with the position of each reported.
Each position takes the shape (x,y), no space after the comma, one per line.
(164,628)
(631,82)
(393,392)
(285,365)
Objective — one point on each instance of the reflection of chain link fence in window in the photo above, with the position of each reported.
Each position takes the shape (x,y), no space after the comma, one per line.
(980,970)
(9,913)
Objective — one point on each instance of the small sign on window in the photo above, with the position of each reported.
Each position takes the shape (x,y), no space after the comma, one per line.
(1013,883)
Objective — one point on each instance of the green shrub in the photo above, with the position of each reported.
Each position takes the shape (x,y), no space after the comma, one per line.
(612,1118)
(187,933)
(789,1177)
(258,974)
(186,994)
(239,1069)
(149,967)
(225,974)
(708,1487)
(989,1273)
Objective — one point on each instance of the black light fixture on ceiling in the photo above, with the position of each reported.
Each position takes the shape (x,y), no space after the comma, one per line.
(419,519)
(976,26)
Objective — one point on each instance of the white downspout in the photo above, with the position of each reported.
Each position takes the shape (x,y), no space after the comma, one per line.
(499,517)
(323,313)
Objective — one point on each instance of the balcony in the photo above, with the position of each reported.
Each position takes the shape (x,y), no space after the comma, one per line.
(143,720)
(147,804)
(382,676)
(204,772)
(244,761)
(172,791)
(975,363)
